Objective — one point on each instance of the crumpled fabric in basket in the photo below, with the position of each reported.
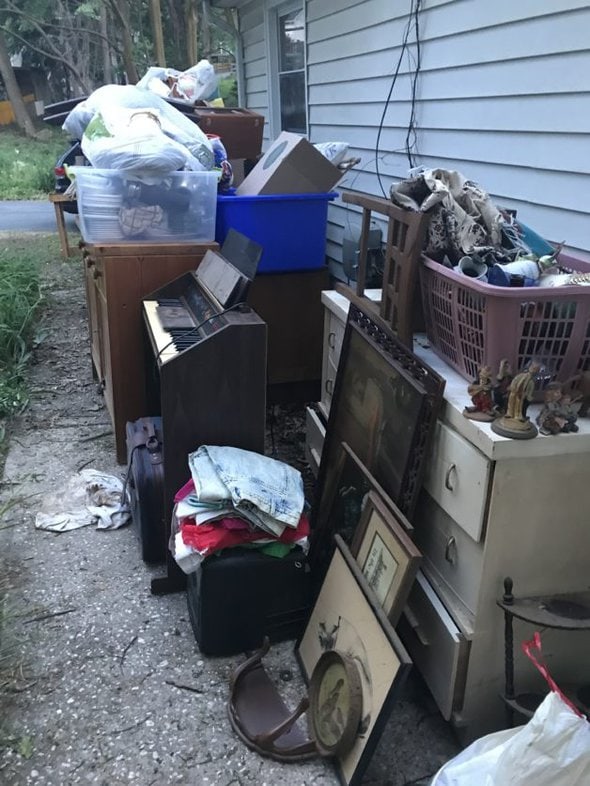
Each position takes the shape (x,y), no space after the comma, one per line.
(266,492)
(463,217)
(89,497)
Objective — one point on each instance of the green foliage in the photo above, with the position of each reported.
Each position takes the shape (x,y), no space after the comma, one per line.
(21,299)
(228,90)
(27,164)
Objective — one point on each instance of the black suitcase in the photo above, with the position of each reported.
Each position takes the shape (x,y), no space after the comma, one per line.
(145,482)
(242,595)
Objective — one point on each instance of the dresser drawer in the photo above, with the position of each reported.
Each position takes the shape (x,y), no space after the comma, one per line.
(334,336)
(437,647)
(328,382)
(457,477)
(315,433)
(456,558)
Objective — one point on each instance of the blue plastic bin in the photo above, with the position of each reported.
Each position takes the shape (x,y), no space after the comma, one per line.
(291,228)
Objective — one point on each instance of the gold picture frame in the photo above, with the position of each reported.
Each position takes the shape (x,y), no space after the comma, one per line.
(387,557)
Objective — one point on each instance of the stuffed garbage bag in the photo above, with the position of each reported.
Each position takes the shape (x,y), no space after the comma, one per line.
(552,749)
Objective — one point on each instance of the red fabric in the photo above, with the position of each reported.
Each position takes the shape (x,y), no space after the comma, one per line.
(532,649)
(207,538)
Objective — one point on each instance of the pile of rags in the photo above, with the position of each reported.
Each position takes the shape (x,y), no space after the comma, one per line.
(237,498)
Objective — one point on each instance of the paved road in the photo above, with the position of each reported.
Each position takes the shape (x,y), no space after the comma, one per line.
(27,216)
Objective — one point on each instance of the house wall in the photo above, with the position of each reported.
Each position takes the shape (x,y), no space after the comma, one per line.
(503,96)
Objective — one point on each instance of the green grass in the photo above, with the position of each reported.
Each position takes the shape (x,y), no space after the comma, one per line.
(21,301)
(26,165)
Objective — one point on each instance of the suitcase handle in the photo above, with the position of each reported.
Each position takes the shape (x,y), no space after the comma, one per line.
(153,445)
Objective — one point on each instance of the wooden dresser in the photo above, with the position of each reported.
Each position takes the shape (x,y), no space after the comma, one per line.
(490,507)
(117,278)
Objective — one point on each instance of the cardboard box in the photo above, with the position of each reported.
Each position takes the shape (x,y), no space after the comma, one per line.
(291,165)
(240,129)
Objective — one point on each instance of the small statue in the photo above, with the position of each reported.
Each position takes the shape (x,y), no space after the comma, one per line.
(502,387)
(558,416)
(549,419)
(515,423)
(480,391)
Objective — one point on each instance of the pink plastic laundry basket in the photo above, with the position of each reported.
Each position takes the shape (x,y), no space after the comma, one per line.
(470,323)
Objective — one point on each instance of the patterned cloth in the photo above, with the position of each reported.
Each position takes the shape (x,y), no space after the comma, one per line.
(463,217)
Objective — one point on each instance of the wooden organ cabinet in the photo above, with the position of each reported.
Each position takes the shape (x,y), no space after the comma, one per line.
(117,278)
(490,507)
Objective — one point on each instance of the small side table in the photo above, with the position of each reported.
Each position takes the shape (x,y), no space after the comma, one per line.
(59,201)
(570,611)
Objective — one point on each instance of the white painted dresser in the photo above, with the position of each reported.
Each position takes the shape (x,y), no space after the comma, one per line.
(490,507)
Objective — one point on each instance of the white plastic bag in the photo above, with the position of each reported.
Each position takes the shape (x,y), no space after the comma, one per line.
(132,140)
(173,123)
(552,749)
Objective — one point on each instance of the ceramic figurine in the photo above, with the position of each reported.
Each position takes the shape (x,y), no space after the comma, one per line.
(480,391)
(515,423)
(502,387)
(558,414)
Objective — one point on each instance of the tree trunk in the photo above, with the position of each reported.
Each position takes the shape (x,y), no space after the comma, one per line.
(121,11)
(157,33)
(21,115)
(205,29)
(107,71)
(191,32)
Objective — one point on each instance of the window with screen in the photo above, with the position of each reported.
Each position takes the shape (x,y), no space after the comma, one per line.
(291,70)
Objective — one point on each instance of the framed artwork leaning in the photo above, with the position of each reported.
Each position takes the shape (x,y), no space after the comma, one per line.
(387,557)
(345,492)
(347,620)
(384,407)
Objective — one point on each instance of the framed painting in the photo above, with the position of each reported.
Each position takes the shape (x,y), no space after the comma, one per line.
(385,404)
(386,556)
(347,619)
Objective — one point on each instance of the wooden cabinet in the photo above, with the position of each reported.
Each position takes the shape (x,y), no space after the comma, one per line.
(290,305)
(489,507)
(117,278)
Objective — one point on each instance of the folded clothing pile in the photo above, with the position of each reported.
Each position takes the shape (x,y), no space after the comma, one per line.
(237,498)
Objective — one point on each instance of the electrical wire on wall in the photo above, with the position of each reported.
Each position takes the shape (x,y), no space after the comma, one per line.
(411,138)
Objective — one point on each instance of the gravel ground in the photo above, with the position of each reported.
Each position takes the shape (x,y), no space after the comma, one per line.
(104,683)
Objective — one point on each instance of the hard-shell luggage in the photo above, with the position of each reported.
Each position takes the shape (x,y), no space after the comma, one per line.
(145,482)
(240,596)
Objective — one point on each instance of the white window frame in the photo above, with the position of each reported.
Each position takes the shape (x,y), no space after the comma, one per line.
(274,9)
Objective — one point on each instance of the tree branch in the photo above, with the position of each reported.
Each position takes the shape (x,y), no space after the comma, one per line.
(66,29)
(59,57)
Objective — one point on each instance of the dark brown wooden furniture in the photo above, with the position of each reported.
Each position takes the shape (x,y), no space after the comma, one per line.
(291,306)
(406,231)
(212,392)
(117,277)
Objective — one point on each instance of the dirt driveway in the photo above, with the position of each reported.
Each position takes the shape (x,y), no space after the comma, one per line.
(105,683)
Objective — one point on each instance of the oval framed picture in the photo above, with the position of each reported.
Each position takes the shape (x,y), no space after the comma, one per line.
(335,703)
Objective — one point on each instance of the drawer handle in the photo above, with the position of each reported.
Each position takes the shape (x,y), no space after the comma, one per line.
(451,470)
(89,260)
(331,340)
(451,550)
(415,625)
(329,386)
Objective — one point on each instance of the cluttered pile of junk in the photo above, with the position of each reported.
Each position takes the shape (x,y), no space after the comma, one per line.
(209,297)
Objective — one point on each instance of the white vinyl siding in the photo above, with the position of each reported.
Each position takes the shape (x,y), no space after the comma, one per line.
(503,96)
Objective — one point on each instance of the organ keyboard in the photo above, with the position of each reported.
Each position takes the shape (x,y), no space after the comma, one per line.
(206,374)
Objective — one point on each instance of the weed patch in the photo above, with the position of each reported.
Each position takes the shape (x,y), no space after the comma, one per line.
(27,164)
